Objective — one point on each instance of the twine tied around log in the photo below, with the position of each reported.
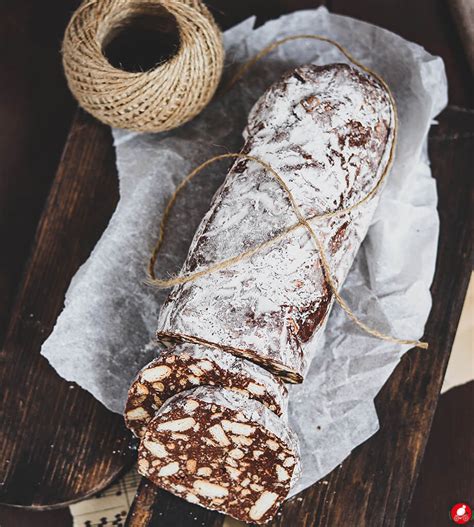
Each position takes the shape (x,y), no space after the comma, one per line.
(160,99)
(302,221)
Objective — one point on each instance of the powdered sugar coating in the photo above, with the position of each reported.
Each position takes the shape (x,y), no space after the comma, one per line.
(327,131)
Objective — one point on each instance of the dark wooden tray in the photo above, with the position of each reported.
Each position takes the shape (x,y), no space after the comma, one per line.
(374,485)
(59,445)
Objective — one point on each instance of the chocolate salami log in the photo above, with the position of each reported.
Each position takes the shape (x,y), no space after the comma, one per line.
(218,449)
(328,132)
(188,366)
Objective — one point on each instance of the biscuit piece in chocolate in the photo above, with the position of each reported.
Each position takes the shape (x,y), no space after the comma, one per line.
(220,450)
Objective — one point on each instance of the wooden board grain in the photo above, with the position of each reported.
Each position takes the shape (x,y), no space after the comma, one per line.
(21,517)
(36,111)
(156,507)
(446,473)
(58,443)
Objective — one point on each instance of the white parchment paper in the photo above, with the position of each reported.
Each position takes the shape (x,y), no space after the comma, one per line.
(104,334)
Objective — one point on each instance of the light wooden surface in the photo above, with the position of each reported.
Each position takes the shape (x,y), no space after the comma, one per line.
(461,363)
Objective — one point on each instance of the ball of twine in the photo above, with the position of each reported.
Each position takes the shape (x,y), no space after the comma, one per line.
(156,100)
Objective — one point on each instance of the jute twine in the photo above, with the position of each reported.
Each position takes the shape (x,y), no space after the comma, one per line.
(160,99)
(302,221)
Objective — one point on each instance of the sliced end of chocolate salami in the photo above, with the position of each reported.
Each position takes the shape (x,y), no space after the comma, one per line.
(170,338)
(220,450)
(188,366)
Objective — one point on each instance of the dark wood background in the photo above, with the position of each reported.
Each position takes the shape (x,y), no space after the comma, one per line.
(57,191)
